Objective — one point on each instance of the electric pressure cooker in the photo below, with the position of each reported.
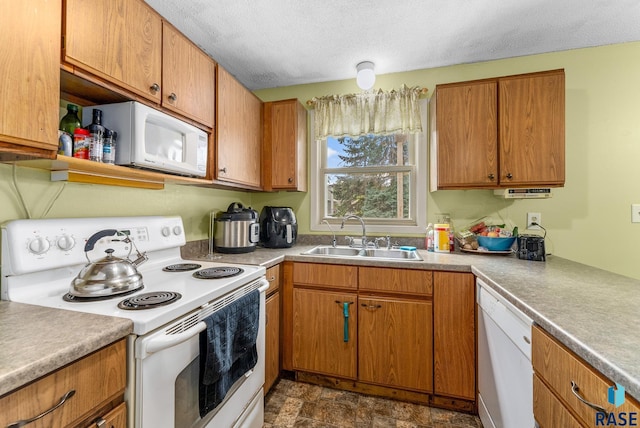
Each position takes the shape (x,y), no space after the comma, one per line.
(236,230)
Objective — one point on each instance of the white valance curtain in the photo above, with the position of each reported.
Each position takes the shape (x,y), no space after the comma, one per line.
(370,112)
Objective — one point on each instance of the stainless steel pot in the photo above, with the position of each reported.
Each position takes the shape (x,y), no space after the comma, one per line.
(236,230)
(110,275)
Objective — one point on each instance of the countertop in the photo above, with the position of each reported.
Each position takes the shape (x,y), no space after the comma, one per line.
(591,311)
(35,341)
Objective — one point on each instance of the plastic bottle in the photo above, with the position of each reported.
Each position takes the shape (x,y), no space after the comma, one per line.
(109,147)
(97,134)
(441,238)
(429,238)
(81,143)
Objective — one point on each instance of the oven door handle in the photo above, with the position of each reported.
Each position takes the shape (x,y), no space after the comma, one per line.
(157,344)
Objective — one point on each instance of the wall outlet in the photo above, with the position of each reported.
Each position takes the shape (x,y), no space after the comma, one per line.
(635,213)
(534,218)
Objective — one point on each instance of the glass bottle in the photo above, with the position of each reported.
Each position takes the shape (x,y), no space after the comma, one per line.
(109,147)
(70,121)
(97,135)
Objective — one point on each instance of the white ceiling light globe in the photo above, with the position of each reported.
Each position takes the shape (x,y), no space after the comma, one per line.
(366,77)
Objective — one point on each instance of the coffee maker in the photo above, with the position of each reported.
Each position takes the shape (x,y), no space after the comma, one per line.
(278,227)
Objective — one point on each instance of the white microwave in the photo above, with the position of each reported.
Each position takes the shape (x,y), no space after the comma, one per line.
(148,138)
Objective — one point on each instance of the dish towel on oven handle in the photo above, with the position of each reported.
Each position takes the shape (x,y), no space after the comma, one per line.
(227,349)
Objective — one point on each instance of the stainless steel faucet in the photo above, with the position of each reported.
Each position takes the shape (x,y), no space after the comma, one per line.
(364,232)
(333,241)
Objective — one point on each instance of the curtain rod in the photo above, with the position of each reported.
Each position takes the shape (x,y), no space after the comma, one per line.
(423,92)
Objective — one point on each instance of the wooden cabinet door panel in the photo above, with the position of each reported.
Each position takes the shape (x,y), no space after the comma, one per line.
(400,281)
(548,410)
(320,343)
(272,344)
(239,132)
(532,129)
(30,70)
(395,343)
(467,141)
(188,79)
(319,275)
(454,334)
(118,40)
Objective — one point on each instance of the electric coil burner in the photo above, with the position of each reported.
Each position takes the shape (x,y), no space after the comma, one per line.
(149,300)
(71,298)
(218,272)
(181,267)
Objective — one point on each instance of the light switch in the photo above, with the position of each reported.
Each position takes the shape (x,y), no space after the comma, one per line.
(635,213)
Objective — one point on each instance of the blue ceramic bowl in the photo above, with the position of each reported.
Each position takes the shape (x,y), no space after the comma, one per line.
(496,244)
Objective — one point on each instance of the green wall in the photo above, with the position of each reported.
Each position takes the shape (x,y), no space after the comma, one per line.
(589,220)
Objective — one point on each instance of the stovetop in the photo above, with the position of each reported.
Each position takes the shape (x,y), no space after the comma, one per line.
(30,275)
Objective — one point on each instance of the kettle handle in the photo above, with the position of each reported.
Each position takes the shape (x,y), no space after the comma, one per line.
(235,207)
(91,242)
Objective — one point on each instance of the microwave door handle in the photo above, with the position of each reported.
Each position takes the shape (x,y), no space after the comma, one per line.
(157,344)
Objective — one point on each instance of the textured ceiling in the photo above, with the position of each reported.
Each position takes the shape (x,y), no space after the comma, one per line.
(274,43)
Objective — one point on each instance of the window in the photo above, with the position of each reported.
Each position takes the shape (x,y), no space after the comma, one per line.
(381,178)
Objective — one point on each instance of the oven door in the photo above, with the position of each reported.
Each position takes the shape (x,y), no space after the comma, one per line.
(167,380)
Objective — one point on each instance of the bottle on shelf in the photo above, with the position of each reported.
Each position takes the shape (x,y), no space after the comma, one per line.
(96,130)
(109,147)
(68,125)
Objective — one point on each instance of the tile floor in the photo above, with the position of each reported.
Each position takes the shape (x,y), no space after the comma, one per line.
(297,404)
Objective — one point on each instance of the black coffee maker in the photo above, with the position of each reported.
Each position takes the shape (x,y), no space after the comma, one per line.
(278,227)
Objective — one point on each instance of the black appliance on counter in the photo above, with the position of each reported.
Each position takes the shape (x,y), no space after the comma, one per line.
(278,227)
(531,247)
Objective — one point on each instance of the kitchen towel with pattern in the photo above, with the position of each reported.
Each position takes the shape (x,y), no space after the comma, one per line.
(227,349)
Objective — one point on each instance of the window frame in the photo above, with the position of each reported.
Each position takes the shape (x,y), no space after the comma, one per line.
(419,188)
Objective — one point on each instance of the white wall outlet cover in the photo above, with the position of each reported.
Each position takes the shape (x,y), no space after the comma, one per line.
(635,213)
(534,218)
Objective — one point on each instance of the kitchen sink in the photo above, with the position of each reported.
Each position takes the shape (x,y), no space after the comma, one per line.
(367,253)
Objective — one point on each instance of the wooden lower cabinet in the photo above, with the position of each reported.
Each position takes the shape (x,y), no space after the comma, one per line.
(272,345)
(324,332)
(395,342)
(557,369)
(99,381)
(117,418)
(454,324)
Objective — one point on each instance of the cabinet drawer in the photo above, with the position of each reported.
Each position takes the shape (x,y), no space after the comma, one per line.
(548,410)
(402,281)
(116,418)
(558,367)
(325,275)
(96,380)
(273,276)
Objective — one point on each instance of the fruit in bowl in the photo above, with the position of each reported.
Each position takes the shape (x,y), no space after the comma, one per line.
(496,243)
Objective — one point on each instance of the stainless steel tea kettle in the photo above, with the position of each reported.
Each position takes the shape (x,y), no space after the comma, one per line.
(110,275)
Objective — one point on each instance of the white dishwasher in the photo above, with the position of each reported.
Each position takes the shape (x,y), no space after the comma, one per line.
(505,373)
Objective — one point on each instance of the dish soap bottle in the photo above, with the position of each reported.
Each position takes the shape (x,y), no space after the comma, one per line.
(429,238)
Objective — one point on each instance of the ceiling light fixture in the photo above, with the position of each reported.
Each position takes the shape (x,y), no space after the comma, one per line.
(365,77)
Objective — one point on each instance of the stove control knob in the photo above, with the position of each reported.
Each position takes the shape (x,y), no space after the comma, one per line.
(39,245)
(166,231)
(177,230)
(65,242)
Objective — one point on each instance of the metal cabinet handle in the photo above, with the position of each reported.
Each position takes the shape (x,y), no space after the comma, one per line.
(100,422)
(223,170)
(509,175)
(576,391)
(154,88)
(172,97)
(273,278)
(290,180)
(24,422)
(364,305)
(491,176)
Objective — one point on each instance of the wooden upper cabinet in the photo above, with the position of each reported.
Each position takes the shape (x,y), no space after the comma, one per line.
(532,109)
(188,77)
(501,132)
(117,40)
(239,132)
(30,83)
(285,146)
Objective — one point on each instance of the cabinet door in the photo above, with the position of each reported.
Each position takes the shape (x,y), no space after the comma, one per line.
(532,129)
(464,138)
(272,341)
(239,132)
(548,410)
(188,77)
(30,83)
(324,339)
(454,329)
(395,343)
(285,148)
(116,418)
(117,40)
